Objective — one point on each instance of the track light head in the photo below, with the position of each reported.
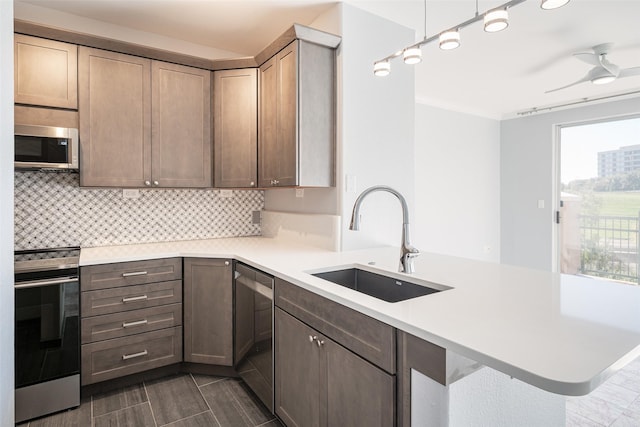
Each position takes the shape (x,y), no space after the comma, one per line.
(496,20)
(382,68)
(412,55)
(449,40)
(552,4)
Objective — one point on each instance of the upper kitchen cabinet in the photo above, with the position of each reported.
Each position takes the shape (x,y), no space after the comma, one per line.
(115,119)
(180,126)
(296,141)
(143,123)
(45,72)
(235,123)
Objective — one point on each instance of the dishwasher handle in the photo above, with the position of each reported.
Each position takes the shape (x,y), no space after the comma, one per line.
(255,286)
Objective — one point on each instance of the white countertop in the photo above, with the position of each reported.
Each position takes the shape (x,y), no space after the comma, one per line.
(560,333)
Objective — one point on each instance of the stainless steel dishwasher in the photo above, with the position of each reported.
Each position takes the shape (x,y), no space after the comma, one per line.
(253,348)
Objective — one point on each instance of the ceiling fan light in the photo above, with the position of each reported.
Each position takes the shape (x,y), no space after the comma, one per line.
(412,55)
(603,80)
(553,4)
(381,68)
(496,20)
(449,40)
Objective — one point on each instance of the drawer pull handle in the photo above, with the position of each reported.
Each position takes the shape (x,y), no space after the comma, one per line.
(138,323)
(131,299)
(134,355)
(134,273)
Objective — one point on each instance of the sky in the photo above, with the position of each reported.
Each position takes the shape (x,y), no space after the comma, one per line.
(580,144)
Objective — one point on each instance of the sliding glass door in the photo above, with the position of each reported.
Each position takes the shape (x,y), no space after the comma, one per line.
(599,199)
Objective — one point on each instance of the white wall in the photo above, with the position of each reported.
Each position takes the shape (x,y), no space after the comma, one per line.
(527,169)
(375,136)
(457,173)
(6,215)
(377,127)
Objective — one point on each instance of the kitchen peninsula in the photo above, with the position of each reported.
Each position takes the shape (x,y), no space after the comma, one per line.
(545,329)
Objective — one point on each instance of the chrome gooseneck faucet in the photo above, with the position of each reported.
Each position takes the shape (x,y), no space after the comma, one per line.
(407,252)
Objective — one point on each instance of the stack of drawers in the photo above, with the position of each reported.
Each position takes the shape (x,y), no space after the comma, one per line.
(131,317)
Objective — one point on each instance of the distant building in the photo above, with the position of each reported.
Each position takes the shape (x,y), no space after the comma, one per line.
(620,161)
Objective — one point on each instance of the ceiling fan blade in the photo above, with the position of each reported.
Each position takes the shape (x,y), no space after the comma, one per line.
(611,68)
(588,57)
(586,78)
(628,72)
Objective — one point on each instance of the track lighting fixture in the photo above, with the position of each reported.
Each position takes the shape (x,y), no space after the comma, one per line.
(412,55)
(496,19)
(449,40)
(553,4)
(382,68)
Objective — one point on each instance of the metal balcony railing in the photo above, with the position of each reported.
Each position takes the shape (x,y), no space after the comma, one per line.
(610,247)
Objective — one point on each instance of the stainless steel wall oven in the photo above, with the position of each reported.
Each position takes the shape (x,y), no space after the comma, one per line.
(47,331)
(253,319)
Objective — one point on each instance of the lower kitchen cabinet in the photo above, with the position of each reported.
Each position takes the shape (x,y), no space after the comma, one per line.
(105,360)
(131,318)
(321,383)
(208,311)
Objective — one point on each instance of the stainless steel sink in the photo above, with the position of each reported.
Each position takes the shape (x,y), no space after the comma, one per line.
(378,286)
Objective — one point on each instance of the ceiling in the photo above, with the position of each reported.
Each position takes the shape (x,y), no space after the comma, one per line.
(492,75)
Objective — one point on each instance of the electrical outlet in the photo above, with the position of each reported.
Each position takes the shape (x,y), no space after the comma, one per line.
(256,217)
(130,193)
(225,194)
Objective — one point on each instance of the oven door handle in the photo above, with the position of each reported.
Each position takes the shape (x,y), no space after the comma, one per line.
(49,282)
(255,286)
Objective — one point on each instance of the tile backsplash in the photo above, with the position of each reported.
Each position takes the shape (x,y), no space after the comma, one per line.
(52,210)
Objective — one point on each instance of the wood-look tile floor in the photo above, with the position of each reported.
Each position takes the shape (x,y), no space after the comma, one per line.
(203,401)
(178,401)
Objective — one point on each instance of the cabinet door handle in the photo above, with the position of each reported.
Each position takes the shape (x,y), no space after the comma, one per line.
(134,273)
(320,342)
(132,299)
(137,323)
(156,183)
(147,183)
(312,338)
(251,184)
(134,355)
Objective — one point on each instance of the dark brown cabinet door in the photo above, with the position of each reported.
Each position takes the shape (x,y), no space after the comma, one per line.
(208,311)
(298,373)
(45,72)
(115,119)
(278,142)
(296,144)
(235,123)
(287,116)
(268,138)
(181,141)
(321,383)
(358,393)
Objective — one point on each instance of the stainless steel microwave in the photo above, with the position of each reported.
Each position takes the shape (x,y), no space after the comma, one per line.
(45,147)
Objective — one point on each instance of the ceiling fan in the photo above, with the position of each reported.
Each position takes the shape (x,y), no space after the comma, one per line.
(603,70)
